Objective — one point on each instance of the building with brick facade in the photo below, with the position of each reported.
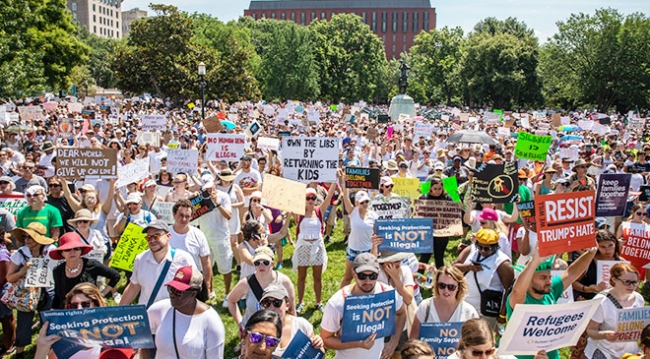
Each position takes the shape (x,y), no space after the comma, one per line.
(100,17)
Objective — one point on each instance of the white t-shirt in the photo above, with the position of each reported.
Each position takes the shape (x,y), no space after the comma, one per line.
(214,224)
(192,242)
(248,180)
(463,312)
(361,230)
(199,336)
(297,323)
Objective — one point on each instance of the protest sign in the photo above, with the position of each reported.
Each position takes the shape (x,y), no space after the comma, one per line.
(527,214)
(77,163)
(565,222)
(310,159)
(40,273)
(132,242)
(154,122)
(447,216)
(613,189)
(212,124)
(253,129)
(442,337)
(391,207)
(636,123)
(101,327)
(164,211)
(13,202)
(366,314)
(503,132)
(359,177)
(182,161)
(603,270)
(283,194)
(421,129)
(50,106)
(75,107)
(556,120)
(532,147)
(535,327)
(133,172)
(202,203)
(413,235)
(630,323)
(383,118)
(313,116)
(407,187)
(32,113)
(300,347)
(66,128)
(148,138)
(636,237)
(495,183)
(267,143)
(645,193)
(226,147)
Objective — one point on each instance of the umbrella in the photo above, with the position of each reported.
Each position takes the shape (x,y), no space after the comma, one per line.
(21,128)
(469,136)
(229,125)
(418,118)
(572,138)
(568,128)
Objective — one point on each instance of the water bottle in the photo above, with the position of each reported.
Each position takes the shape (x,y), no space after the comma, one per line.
(429,283)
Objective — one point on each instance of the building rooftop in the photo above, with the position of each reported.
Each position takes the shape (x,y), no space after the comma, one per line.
(337,4)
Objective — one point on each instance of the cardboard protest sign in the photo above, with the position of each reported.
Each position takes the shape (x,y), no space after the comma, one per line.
(284,194)
(527,214)
(359,177)
(77,163)
(226,147)
(132,242)
(535,327)
(154,122)
(31,113)
(40,274)
(413,235)
(182,161)
(133,172)
(447,216)
(300,347)
(391,207)
(101,327)
(613,189)
(202,203)
(636,237)
(442,337)
(630,323)
(556,120)
(407,187)
(532,147)
(495,183)
(565,222)
(12,202)
(366,314)
(213,124)
(164,211)
(310,159)
(603,270)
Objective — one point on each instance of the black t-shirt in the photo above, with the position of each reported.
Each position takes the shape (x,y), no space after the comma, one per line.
(63,206)
(90,270)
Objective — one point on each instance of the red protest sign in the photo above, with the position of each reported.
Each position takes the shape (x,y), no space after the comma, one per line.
(565,222)
(636,241)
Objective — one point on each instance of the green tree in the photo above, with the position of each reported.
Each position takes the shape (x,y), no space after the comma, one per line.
(99,59)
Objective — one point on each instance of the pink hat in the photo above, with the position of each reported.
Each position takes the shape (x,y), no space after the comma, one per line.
(488,214)
(69,241)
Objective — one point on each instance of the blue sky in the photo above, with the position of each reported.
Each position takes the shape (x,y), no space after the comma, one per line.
(537,14)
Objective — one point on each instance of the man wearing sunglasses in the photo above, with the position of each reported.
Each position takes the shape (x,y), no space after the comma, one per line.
(366,272)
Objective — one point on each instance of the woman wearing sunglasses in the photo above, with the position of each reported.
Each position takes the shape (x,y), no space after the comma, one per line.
(276,299)
(635,222)
(77,269)
(261,335)
(447,303)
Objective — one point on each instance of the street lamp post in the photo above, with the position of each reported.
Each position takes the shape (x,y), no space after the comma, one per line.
(202,83)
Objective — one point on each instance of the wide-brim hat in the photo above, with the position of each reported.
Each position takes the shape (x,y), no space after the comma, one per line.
(68,241)
(83,214)
(391,165)
(36,230)
(227,175)
(579,163)
(390,256)
(47,145)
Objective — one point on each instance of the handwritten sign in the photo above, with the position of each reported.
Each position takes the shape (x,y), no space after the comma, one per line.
(164,211)
(413,235)
(359,177)
(283,194)
(77,163)
(154,122)
(30,113)
(12,202)
(225,147)
(495,183)
(267,143)
(364,315)
(391,207)
(182,161)
(421,129)
(75,107)
(446,216)
(532,147)
(310,159)
(300,347)
(148,138)
(630,323)
(132,242)
(527,214)
(40,274)
(133,172)
(407,187)
(613,189)
(442,337)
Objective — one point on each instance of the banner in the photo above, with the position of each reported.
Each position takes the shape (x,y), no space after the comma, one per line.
(182,161)
(442,337)
(226,147)
(310,159)
(40,274)
(359,177)
(603,270)
(132,242)
(413,235)
(407,187)
(77,163)
(447,216)
(102,327)
(630,323)
(13,202)
(154,123)
(202,203)
(300,347)
(527,214)
(267,143)
(535,327)
(532,147)
(613,188)
(391,207)
(133,172)
(366,314)
(565,222)
(283,194)
(495,183)
(636,237)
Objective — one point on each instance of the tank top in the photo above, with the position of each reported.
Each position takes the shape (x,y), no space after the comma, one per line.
(247,269)
(488,278)
(252,304)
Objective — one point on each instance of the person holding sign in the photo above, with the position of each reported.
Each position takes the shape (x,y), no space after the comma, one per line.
(579,181)
(436,192)
(603,340)
(608,250)
(182,188)
(90,200)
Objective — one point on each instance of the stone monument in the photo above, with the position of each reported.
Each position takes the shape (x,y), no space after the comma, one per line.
(402,103)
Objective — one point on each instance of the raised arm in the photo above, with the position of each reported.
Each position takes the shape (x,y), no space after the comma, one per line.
(328,198)
(106,206)
(74,204)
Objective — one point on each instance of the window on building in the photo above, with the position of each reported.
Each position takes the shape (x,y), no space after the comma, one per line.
(383,38)
(403,48)
(111,13)
(323,16)
(303,19)
(405,21)
(273,15)
(373,27)
(425,21)
(263,15)
(94,18)
(416,20)
(394,38)
(363,17)
(283,16)
(74,16)
(254,16)
(293,16)
(313,16)
(384,21)
(117,24)
(117,34)
(74,6)
(95,29)
(394,48)
(394,24)
(93,7)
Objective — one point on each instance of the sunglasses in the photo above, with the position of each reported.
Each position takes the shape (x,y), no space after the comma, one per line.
(311,198)
(365,202)
(363,276)
(632,283)
(178,182)
(155,236)
(175,292)
(403,167)
(72,249)
(75,305)
(639,213)
(33,195)
(389,186)
(257,338)
(267,303)
(82,191)
(264,263)
(478,353)
(484,248)
(450,287)
(54,185)
(483,223)
(83,221)
(3,183)
(28,168)
(564,184)
(256,200)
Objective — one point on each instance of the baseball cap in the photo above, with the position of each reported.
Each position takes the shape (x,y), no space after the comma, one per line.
(275,291)
(386,181)
(156,225)
(366,262)
(186,278)
(133,198)
(361,196)
(488,214)
(263,253)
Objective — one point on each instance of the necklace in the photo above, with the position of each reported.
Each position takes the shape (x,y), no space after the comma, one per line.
(74,270)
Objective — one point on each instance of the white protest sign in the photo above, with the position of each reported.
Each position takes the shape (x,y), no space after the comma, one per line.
(164,211)
(636,123)
(269,110)
(227,147)
(283,114)
(30,113)
(154,122)
(310,159)
(233,117)
(267,143)
(182,161)
(40,273)
(422,130)
(75,107)
(525,123)
(567,295)
(444,117)
(133,172)
(572,153)
(586,125)
(599,129)
(603,268)
(503,132)
(96,254)
(162,191)
(148,138)
(535,327)
(565,120)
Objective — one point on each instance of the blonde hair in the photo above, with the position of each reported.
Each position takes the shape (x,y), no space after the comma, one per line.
(414,348)
(87,289)
(456,275)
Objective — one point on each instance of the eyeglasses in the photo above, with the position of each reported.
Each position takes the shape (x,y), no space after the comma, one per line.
(4,183)
(363,276)
(484,248)
(629,283)
(450,287)
(311,198)
(155,236)
(76,305)
(267,303)
(72,249)
(54,185)
(256,338)
(403,167)
(478,353)
(264,263)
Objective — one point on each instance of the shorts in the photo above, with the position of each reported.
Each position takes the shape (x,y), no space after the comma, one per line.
(330,216)
(351,254)
(221,252)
